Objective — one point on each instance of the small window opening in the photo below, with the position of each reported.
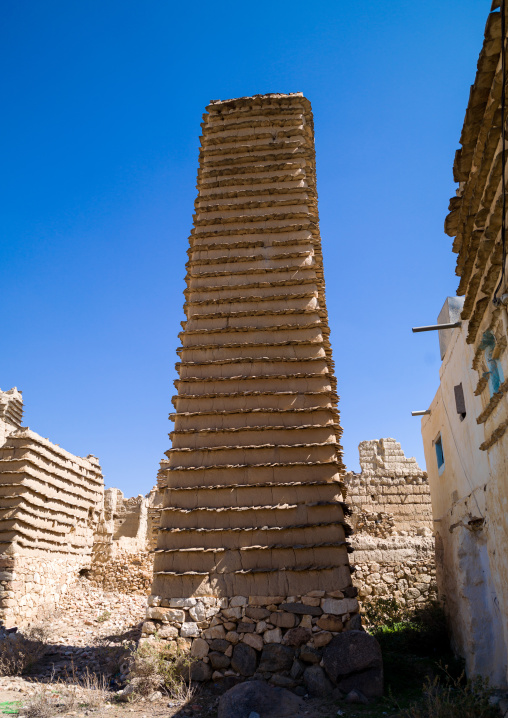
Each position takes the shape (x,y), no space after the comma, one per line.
(460,402)
(85,573)
(494,368)
(438,445)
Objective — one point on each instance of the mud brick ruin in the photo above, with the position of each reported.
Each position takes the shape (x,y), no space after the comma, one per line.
(57,523)
(392,520)
(124,539)
(49,506)
(252,540)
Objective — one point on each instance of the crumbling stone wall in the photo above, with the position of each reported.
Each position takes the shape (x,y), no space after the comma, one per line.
(123,545)
(11,412)
(49,507)
(392,519)
(57,522)
(124,572)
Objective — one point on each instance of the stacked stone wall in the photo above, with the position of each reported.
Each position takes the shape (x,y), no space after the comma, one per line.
(392,521)
(269,637)
(123,572)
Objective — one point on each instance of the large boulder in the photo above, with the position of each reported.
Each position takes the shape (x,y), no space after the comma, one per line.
(218,660)
(200,671)
(297,637)
(353,661)
(316,682)
(244,659)
(276,658)
(261,698)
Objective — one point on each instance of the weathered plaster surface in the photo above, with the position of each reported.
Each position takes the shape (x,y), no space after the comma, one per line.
(469,503)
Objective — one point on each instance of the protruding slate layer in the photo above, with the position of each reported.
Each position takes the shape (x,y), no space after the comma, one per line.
(476,211)
(256,459)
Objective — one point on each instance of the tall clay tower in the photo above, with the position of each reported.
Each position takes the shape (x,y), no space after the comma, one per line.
(253,516)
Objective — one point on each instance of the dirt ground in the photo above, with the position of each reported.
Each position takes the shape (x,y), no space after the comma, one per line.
(91,625)
(203,704)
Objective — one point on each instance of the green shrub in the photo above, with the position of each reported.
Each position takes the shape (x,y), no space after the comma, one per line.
(421,632)
(383,611)
(453,698)
(160,666)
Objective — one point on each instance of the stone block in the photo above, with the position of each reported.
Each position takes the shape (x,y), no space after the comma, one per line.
(167,631)
(352,660)
(272,636)
(238,601)
(311,601)
(283,619)
(296,636)
(182,602)
(316,681)
(215,632)
(158,613)
(276,658)
(257,697)
(257,613)
(200,671)
(219,644)
(246,627)
(199,648)
(233,637)
(309,654)
(244,659)
(322,638)
(329,623)
(254,640)
(218,660)
(300,608)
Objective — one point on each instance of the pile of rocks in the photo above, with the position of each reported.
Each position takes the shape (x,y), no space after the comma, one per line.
(273,637)
(87,614)
(124,572)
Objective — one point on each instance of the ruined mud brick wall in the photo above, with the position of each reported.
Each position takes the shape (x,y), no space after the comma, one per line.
(11,412)
(49,506)
(252,539)
(392,519)
(122,558)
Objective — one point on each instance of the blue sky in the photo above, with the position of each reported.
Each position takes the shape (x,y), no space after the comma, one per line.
(99,133)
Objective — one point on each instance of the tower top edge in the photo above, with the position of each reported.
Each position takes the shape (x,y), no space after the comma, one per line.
(250,98)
